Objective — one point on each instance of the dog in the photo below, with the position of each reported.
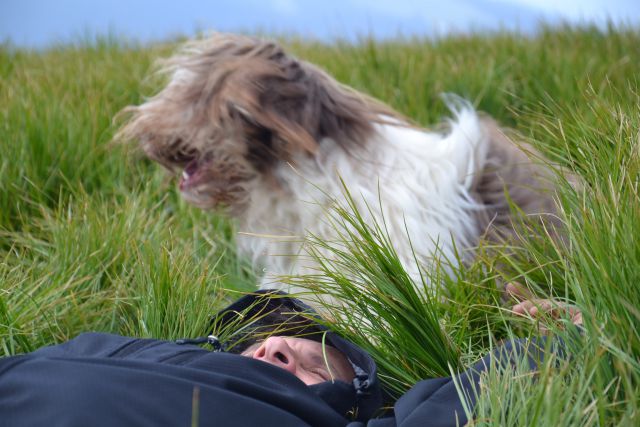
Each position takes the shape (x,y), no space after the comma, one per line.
(274,141)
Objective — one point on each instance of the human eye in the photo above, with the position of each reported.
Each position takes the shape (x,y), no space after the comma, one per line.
(320,373)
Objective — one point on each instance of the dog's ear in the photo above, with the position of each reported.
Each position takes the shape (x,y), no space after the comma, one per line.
(283,105)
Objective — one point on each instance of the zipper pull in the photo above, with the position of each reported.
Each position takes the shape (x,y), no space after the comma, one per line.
(210,339)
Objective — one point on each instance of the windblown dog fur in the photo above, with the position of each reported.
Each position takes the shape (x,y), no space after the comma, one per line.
(272,139)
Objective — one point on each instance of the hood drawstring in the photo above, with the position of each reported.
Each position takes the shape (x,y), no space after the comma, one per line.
(210,339)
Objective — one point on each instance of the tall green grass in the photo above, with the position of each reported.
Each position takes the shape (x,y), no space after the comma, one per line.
(93,237)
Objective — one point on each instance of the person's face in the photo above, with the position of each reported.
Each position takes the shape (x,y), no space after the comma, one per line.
(303,358)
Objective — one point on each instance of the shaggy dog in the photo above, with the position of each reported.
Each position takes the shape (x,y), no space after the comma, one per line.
(275,140)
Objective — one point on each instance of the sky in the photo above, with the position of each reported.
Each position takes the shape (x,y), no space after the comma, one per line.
(41,23)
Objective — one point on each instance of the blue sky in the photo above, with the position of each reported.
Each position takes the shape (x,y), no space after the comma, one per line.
(39,23)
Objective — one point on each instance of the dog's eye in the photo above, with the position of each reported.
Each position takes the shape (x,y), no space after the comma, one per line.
(263,135)
(255,133)
(260,145)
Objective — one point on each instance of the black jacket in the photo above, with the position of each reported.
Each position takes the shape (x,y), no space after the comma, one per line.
(109,380)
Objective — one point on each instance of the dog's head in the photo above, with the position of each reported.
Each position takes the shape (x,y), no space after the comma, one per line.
(237,107)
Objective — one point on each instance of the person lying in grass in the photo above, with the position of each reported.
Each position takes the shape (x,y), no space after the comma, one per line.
(272,364)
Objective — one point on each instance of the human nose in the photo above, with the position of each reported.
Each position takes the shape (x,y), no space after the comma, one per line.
(276,351)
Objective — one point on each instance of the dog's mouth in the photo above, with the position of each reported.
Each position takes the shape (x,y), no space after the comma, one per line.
(192,175)
(208,183)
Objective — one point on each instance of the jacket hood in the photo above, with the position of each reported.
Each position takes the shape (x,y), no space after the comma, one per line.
(258,315)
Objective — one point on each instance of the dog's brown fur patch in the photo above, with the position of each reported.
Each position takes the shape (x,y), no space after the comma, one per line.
(518,171)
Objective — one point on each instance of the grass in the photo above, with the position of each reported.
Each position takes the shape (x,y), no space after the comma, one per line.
(92,237)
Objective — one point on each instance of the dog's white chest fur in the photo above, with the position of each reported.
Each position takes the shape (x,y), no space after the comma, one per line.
(418,181)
